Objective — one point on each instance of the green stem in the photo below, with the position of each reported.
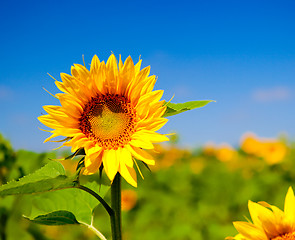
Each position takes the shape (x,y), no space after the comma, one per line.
(93,229)
(99,198)
(116,206)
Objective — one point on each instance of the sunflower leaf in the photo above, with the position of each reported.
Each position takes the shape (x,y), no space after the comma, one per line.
(72,203)
(50,177)
(176,108)
(55,218)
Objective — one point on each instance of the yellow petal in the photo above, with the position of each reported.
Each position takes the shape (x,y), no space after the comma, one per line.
(69,103)
(73,87)
(146,100)
(80,72)
(143,74)
(126,75)
(135,87)
(250,231)
(61,86)
(92,162)
(141,143)
(290,205)
(78,141)
(52,136)
(100,80)
(56,112)
(81,81)
(93,150)
(125,156)
(264,218)
(150,98)
(128,174)
(49,121)
(92,168)
(157,110)
(95,63)
(95,157)
(151,136)
(112,74)
(137,66)
(68,132)
(141,155)
(237,237)
(140,78)
(152,124)
(283,225)
(149,85)
(258,212)
(120,63)
(110,163)
(71,112)
(254,213)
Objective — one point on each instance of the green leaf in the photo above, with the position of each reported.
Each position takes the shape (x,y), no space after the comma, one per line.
(76,201)
(176,108)
(56,218)
(50,177)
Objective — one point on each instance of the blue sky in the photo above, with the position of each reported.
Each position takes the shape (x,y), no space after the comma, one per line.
(239,53)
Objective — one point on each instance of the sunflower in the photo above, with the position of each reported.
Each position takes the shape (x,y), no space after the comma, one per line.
(269,222)
(110,111)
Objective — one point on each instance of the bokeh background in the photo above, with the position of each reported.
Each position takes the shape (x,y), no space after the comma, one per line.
(239,53)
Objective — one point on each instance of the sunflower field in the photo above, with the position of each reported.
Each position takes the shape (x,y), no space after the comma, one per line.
(188,194)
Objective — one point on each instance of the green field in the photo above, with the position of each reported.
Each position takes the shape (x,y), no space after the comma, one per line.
(189,194)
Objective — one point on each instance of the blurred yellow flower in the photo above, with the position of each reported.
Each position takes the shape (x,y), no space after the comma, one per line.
(112,112)
(225,153)
(250,143)
(128,199)
(273,151)
(168,156)
(269,222)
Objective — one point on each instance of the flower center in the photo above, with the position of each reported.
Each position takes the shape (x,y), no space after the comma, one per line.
(109,120)
(286,236)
